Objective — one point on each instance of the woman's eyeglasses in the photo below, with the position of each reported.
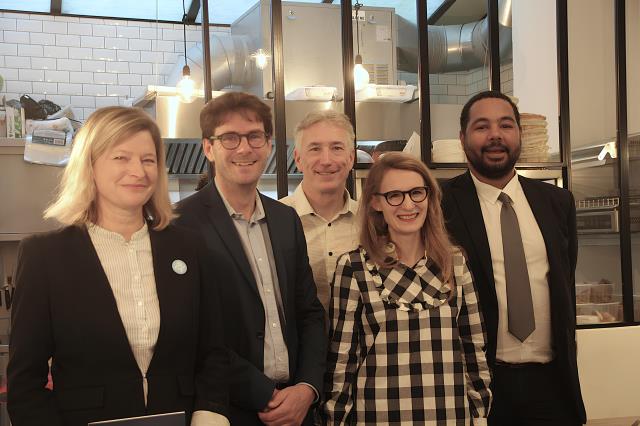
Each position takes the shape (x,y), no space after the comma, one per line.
(232,140)
(395,198)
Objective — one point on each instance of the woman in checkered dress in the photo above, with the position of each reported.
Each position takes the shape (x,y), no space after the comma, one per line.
(406,334)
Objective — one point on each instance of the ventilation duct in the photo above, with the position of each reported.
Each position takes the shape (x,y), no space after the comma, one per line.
(452,48)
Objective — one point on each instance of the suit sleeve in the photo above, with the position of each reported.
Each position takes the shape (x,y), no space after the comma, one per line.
(212,384)
(310,320)
(32,342)
(473,338)
(345,351)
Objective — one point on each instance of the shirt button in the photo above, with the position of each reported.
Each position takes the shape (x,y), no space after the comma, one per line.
(139,302)
(274,325)
(329,224)
(268,290)
(259,259)
(280,358)
(330,253)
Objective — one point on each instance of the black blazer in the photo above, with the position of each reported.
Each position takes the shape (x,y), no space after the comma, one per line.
(244,317)
(64,309)
(554,210)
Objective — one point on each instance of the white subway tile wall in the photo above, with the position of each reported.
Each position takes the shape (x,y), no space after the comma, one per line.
(111,61)
(87,63)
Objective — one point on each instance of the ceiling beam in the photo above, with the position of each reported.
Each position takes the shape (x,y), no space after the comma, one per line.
(192,12)
(56,7)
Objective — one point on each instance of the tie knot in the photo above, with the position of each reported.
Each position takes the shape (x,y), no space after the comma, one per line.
(505,198)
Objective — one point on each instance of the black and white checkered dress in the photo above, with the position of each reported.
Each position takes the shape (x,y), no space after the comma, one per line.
(400,351)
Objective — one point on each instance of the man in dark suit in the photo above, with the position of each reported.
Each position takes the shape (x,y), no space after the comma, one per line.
(520,240)
(274,321)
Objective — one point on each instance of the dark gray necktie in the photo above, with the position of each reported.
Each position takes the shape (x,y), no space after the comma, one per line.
(519,303)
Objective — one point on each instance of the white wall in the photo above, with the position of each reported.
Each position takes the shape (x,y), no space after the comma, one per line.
(609,365)
(87,63)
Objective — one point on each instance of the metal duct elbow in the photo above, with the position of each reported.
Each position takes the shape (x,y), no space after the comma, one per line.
(460,47)
(230,63)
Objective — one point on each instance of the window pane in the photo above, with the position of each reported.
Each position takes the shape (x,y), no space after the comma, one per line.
(595,180)
(164,10)
(456,76)
(529,72)
(26,5)
(312,67)
(633,117)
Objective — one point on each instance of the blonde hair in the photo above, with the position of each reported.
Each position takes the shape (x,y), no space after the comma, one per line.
(105,128)
(330,116)
(374,231)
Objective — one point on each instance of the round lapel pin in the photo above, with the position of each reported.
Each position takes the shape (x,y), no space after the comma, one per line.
(179,267)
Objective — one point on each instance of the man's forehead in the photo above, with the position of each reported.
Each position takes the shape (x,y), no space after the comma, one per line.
(491,108)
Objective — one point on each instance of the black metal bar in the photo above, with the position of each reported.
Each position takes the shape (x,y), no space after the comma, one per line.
(280,130)
(623,159)
(192,12)
(423,81)
(562,47)
(206,48)
(117,18)
(206,63)
(347,74)
(439,12)
(56,7)
(494,45)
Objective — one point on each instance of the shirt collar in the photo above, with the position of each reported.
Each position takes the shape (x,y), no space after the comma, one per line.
(303,207)
(258,212)
(104,234)
(490,193)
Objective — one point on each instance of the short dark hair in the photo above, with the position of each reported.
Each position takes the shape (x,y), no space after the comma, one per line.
(488,94)
(216,111)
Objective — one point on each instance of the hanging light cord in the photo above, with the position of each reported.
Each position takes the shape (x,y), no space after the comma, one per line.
(357,7)
(184,31)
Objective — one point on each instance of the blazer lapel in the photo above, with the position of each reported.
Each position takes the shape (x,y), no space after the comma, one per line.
(466,197)
(223,224)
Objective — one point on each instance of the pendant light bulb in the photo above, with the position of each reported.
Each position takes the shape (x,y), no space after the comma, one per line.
(360,75)
(186,86)
(261,57)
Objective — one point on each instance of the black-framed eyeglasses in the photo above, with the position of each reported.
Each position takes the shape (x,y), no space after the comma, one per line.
(395,198)
(231,140)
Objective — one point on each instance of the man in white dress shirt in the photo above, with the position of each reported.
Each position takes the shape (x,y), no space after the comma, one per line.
(520,239)
(324,154)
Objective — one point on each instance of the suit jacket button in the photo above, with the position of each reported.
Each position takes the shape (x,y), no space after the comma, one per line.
(260,335)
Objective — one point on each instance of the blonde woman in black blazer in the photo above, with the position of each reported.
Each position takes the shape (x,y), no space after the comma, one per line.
(120,301)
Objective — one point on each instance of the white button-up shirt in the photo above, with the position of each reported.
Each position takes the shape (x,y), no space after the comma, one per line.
(326,239)
(537,347)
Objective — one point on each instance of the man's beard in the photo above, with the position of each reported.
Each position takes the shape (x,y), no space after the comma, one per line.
(493,170)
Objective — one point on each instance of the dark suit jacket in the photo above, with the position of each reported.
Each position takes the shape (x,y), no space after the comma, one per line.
(64,308)
(554,210)
(244,317)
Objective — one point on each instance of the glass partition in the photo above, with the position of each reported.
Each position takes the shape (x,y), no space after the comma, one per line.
(633,122)
(313,77)
(385,46)
(529,73)
(458,69)
(594,163)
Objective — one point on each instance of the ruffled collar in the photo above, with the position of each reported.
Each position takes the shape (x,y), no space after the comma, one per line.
(409,289)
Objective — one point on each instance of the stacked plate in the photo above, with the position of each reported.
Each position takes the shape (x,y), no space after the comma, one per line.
(535,146)
(447,151)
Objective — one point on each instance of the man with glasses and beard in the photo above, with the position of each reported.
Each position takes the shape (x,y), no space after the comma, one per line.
(274,323)
(520,240)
